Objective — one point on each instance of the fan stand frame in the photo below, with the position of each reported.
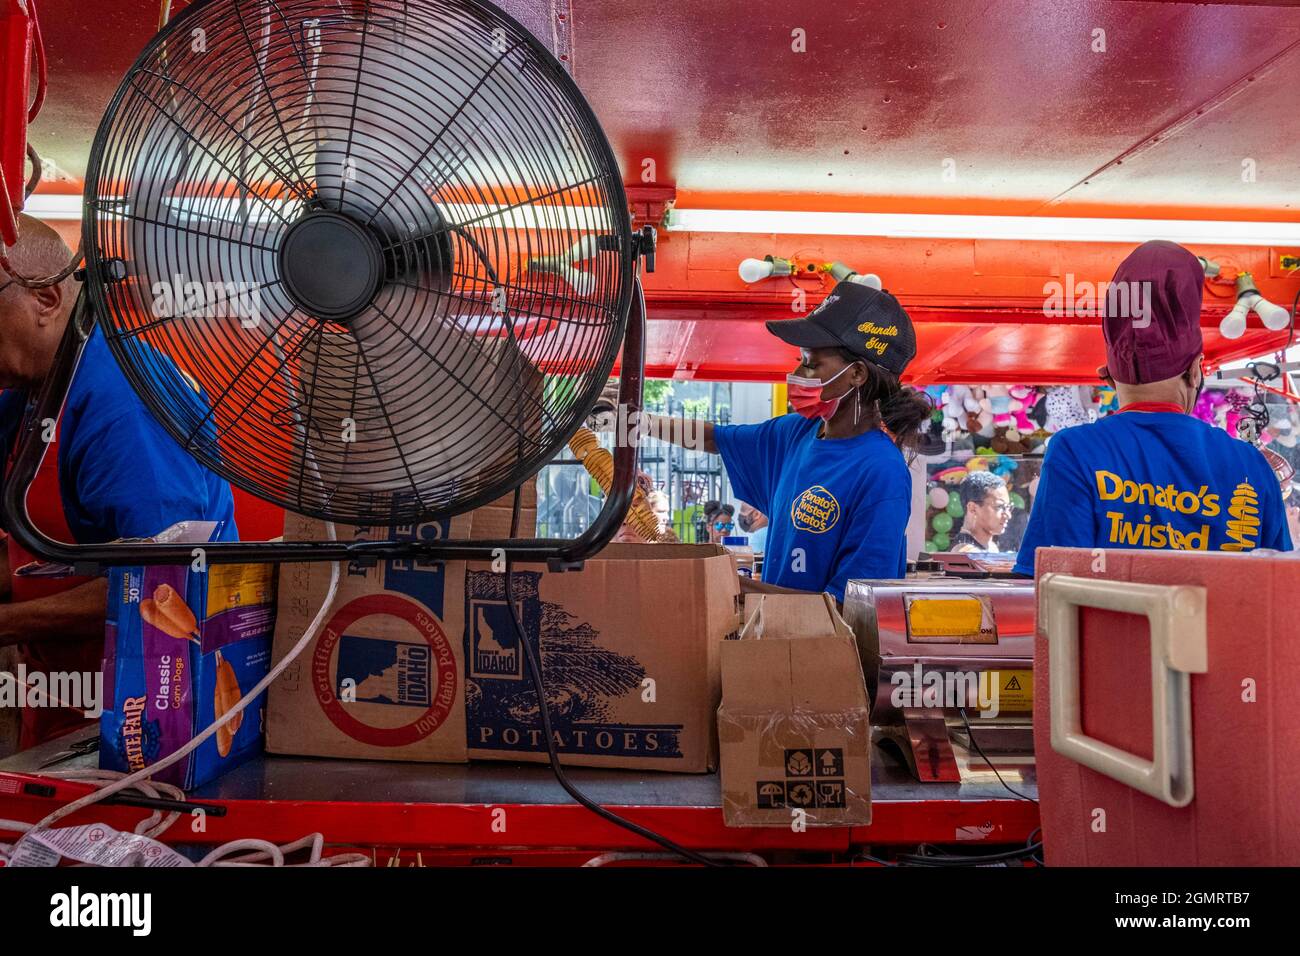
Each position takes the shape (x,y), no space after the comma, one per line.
(558,554)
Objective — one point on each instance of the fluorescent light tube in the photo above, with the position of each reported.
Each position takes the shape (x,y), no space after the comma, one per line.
(53,206)
(926,226)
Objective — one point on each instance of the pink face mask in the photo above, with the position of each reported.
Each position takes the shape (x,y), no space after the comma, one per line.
(805,395)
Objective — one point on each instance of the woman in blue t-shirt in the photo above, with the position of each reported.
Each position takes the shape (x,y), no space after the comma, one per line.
(831,477)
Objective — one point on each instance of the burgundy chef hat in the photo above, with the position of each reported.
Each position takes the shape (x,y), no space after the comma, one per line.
(1151,314)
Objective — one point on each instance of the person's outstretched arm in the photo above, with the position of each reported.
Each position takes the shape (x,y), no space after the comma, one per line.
(692,433)
(73,615)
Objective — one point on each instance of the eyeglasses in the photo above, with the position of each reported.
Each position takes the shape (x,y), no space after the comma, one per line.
(719,526)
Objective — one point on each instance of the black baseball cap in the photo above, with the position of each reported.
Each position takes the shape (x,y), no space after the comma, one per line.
(868,322)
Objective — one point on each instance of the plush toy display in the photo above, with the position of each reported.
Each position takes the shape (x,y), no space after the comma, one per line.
(1208,405)
(1064,406)
(981,422)
(1023,399)
(961,409)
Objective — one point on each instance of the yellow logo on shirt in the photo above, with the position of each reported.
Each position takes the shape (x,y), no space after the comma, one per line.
(1243,510)
(815,510)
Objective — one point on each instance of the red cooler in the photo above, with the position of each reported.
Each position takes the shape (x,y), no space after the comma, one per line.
(1167,708)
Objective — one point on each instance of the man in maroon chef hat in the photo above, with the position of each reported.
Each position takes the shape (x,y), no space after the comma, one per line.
(1153,475)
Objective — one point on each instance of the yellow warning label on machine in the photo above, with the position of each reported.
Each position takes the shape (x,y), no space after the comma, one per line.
(1015,689)
(960,618)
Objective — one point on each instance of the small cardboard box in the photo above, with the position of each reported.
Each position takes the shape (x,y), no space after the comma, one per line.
(629,655)
(794,726)
(384,679)
(181,647)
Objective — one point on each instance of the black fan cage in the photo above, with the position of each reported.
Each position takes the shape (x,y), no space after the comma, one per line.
(369,261)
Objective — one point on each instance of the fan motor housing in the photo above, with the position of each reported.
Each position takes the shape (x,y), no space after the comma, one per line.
(332,267)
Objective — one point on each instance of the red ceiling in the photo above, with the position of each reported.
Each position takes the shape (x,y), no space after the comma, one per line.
(1034,120)
(1010,90)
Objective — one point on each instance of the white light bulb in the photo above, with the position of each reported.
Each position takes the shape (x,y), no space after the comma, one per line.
(1233,325)
(756,270)
(1274,316)
(583,283)
(585,248)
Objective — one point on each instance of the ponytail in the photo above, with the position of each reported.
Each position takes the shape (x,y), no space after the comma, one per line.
(901,409)
(905,414)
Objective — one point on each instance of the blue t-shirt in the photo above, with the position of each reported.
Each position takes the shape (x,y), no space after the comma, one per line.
(120,474)
(837,508)
(1154,480)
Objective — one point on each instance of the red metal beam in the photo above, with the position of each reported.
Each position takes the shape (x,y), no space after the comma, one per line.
(541,826)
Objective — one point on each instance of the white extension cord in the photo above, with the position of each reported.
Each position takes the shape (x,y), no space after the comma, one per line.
(252,852)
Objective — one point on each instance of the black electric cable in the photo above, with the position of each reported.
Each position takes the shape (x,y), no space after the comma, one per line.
(1029,851)
(970,736)
(535,672)
(1032,844)
(940,859)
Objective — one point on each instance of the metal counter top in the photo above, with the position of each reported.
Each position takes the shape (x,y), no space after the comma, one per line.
(270,777)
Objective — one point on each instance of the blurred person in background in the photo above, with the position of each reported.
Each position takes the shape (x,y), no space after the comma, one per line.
(657,502)
(987,505)
(719,520)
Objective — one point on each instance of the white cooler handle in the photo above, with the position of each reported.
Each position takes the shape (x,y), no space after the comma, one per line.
(1178,648)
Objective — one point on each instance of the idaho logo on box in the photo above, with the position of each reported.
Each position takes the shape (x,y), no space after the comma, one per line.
(383,672)
(351,671)
(494,642)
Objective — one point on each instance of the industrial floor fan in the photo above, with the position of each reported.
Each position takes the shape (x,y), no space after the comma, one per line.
(369,261)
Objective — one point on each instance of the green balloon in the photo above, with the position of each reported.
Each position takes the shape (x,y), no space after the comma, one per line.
(942,523)
(931,546)
(941,542)
(1018,501)
(955,507)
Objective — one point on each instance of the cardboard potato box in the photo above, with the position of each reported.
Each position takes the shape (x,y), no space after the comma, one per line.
(628,650)
(629,657)
(382,680)
(794,726)
(181,647)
